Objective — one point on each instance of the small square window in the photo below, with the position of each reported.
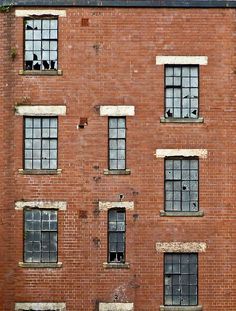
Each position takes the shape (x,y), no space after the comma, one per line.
(181,184)
(181,92)
(40,236)
(40,143)
(41,44)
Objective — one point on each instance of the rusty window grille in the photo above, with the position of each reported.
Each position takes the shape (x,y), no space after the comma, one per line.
(116,235)
(117,143)
(181,184)
(181,279)
(41,44)
(40,235)
(40,143)
(181,91)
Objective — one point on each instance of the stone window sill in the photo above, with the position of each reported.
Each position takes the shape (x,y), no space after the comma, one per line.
(182,214)
(181,308)
(115,265)
(40,264)
(117,172)
(40,172)
(41,72)
(181,120)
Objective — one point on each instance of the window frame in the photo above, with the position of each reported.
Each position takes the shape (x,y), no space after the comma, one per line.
(123,210)
(125,141)
(181,89)
(164,274)
(165,180)
(24,236)
(41,138)
(40,17)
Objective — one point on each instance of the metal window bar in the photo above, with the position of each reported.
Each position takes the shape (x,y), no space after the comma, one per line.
(40,235)
(41,44)
(116,235)
(40,143)
(117,143)
(181,279)
(182,91)
(181,184)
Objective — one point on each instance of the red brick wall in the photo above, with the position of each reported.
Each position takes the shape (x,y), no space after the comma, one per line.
(121,71)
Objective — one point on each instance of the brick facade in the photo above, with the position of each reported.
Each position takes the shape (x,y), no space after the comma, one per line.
(112,61)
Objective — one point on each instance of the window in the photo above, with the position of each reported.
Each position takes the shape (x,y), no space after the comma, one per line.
(40,235)
(116,235)
(181,91)
(181,279)
(40,143)
(41,44)
(117,143)
(181,184)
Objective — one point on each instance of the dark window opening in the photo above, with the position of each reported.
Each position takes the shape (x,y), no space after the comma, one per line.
(117,143)
(181,184)
(41,44)
(40,143)
(116,235)
(181,279)
(181,91)
(40,235)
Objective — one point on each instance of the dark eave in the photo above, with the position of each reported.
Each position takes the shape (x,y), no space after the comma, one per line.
(124,3)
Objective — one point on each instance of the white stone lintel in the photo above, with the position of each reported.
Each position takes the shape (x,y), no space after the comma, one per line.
(39,12)
(162,153)
(115,306)
(40,306)
(180,247)
(117,111)
(181,60)
(60,205)
(40,110)
(104,206)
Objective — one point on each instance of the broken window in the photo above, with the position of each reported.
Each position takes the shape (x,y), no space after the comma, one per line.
(117,143)
(40,235)
(40,143)
(181,279)
(116,235)
(181,184)
(181,91)
(41,40)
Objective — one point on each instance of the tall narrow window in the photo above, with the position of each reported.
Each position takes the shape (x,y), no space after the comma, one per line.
(181,279)
(117,143)
(41,44)
(181,184)
(181,91)
(40,235)
(40,143)
(116,235)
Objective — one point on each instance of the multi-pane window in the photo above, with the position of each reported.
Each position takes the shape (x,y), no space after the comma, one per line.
(181,91)
(116,235)
(117,143)
(181,184)
(40,235)
(41,44)
(40,143)
(181,279)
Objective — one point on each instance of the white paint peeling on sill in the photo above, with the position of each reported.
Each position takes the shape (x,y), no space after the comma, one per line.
(180,247)
(40,306)
(115,306)
(117,111)
(104,206)
(162,153)
(60,205)
(181,60)
(25,13)
(39,110)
